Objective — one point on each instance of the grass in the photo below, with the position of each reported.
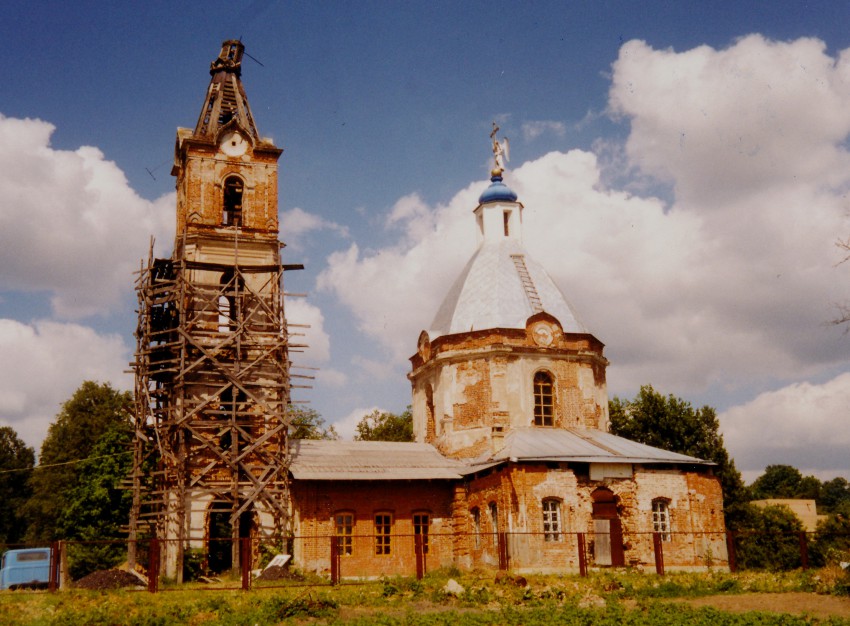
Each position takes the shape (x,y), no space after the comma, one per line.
(611,597)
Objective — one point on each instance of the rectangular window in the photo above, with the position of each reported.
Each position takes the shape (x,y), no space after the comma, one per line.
(344,530)
(476,526)
(551,520)
(420,529)
(494,517)
(544,399)
(383,526)
(661,519)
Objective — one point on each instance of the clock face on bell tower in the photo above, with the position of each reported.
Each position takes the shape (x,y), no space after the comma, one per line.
(233,144)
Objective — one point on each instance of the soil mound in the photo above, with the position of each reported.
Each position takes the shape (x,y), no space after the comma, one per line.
(108,579)
(276,572)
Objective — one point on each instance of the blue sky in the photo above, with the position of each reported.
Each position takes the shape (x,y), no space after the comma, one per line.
(683,167)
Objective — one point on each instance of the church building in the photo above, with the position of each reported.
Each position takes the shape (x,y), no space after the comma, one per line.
(512,465)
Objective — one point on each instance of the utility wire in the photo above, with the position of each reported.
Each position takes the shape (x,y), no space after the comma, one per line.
(38,467)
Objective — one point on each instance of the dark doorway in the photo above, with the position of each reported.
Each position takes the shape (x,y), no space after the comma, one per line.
(222,549)
(607,529)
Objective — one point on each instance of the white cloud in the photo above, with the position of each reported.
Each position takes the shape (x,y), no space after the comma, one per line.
(533,129)
(307,327)
(802,424)
(71,224)
(44,363)
(728,286)
(393,292)
(296,223)
(346,426)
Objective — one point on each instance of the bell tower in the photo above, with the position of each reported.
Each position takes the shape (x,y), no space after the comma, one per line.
(212,359)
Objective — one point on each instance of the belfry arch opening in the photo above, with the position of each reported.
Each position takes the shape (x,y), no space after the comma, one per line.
(233,190)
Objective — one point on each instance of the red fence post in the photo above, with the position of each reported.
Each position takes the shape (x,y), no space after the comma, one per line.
(804,550)
(335,560)
(153,566)
(658,549)
(53,574)
(582,554)
(245,561)
(419,550)
(730,551)
(504,557)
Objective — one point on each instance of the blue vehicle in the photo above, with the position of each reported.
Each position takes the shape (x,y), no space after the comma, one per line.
(27,567)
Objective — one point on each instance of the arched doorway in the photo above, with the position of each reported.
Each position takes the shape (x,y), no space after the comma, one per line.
(222,545)
(608,532)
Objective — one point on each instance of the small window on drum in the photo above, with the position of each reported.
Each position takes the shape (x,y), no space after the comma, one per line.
(544,399)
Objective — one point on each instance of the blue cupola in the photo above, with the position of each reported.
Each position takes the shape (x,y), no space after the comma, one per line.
(497,191)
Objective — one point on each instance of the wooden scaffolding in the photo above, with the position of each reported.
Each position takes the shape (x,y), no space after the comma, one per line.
(212,390)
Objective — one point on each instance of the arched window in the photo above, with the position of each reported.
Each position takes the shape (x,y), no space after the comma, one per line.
(551,519)
(544,399)
(661,518)
(494,517)
(233,188)
(476,526)
(228,302)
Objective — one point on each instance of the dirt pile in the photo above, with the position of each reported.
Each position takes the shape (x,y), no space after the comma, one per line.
(108,579)
(276,572)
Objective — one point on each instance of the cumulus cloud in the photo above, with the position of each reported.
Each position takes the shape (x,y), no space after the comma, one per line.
(307,328)
(533,129)
(71,224)
(44,363)
(297,222)
(393,292)
(787,425)
(724,285)
(346,426)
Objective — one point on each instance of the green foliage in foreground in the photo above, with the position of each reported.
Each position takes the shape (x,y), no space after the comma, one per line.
(613,598)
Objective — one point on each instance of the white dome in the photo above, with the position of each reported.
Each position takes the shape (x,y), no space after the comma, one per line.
(501,287)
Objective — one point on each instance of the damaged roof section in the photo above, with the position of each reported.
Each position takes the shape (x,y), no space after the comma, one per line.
(579,446)
(369,460)
(385,460)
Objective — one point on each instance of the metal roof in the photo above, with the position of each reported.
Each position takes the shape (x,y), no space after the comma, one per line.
(369,460)
(490,293)
(386,460)
(578,445)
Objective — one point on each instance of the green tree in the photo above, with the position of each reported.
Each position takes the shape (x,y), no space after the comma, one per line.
(16,463)
(671,423)
(768,538)
(385,426)
(835,494)
(777,481)
(306,423)
(93,412)
(97,506)
(832,539)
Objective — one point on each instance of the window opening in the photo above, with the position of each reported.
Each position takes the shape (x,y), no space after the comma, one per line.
(661,518)
(494,517)
(383,525)
(544,405)
(344,523)
(551,519)
(233,189)
(476,526)
(506,219)
(228,303)
(421,521)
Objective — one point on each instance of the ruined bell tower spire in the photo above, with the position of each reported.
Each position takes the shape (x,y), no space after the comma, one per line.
(226,102)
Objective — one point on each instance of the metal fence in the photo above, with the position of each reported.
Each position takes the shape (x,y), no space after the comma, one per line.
(332,560)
